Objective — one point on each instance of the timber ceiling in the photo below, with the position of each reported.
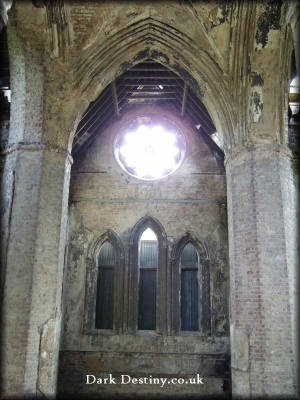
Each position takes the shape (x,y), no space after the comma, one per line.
(146,83)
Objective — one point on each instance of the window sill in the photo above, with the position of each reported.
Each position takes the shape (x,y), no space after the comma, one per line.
(141,332)
(105,332)
(111,332)
(192,333)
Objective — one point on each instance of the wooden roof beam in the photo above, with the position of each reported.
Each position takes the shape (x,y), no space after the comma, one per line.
(115,98)
(184,96)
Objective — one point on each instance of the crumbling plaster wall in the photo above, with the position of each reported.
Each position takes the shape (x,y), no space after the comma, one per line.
(104,197)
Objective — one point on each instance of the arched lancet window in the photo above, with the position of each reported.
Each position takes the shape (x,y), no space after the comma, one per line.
(189,288)
(191,309)
(107,263)
(148,263)
(147,277)
(104,295)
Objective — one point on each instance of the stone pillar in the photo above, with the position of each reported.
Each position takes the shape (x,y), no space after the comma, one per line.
(263,261)
(31,308)
(35,185)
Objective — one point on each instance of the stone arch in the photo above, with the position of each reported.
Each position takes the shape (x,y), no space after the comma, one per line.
(109,236)
(148,222)
(149,38)
(189,237)
(91,281)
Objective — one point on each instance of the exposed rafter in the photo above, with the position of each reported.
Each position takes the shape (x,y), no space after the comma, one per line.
(146,83)
(184,96)
(115,97)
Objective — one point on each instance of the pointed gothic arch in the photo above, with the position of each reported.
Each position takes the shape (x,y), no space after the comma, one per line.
(89,326)
(101,63)
(204,303)
(148,222)
(161,281)
(189,237)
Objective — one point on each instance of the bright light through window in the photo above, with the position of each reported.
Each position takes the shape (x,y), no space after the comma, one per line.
(150,152)
(148,234)
(294,85)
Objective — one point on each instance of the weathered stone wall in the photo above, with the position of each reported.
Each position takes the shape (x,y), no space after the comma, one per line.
(236,58)
(104,197)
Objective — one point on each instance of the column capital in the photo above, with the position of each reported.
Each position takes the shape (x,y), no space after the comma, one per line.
(244,153)
(36,146)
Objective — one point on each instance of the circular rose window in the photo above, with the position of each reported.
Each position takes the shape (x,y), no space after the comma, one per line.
(150,148)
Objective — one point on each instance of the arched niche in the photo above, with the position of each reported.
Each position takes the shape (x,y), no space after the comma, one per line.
(92,268)
(204,301)
(161,280)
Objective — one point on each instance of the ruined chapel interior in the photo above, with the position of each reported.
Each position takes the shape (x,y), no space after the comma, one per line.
(149,199)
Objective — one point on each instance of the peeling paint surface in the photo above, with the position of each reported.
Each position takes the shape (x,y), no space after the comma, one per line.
(269,19)
(257,103)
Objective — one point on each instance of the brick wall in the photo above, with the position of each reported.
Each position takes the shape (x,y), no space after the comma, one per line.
(261,274)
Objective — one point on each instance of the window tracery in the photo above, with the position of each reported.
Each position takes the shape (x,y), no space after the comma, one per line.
(150,295)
